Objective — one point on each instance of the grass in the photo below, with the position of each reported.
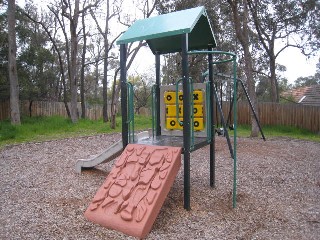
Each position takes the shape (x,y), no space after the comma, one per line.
(281,131)
(56,127)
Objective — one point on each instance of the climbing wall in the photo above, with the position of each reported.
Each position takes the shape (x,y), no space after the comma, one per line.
(131,196)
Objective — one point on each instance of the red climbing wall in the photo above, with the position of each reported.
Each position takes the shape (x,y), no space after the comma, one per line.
(131,196)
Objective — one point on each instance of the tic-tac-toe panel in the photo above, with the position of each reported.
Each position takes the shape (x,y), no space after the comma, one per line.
(171,110)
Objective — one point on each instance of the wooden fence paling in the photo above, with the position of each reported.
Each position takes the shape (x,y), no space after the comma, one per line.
(297,115)
(4,109)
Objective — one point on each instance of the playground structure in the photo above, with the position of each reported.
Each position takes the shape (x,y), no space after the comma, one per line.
(182,121)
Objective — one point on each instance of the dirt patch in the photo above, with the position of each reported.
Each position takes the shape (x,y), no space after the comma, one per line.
(278,192)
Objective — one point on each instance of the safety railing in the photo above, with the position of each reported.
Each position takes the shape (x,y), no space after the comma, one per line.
(232,59)
(153,109)
(208,113)
(191,110)
(130,120)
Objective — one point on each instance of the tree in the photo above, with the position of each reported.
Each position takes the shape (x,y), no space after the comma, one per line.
(240,14)
(95,50)
(13,76)
(306,81)
(45,20)
(147,9)
(317,74)
(142,85)
(83,65)
(4,49)
(108,45)
(72,13)
(67,12)
(282,22)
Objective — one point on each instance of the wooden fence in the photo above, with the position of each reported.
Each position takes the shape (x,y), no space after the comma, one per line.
(297,115)
(302,116)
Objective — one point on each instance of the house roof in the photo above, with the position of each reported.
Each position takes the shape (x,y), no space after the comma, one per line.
(309,95)
(162,33)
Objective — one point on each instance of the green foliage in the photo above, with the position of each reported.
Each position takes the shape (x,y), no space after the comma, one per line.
(306,81)
(142,85)
(4,81)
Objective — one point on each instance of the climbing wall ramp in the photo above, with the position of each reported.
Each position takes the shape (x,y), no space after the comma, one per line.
(131,196)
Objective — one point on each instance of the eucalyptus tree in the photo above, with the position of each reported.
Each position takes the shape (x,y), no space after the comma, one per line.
(112,10)
(67,13)
(13,75)
(142,84)
(146,9)
(37,68)
(283,24)
(240,16)
(51,25)
(95,50)
(4,49)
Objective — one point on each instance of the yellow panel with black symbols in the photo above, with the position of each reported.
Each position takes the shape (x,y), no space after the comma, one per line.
(170,97)
(172,124)
(198,110)
(197,96)
(171,111)
(180,97)
(198,124)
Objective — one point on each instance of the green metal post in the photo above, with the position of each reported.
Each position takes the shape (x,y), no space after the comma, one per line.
(212,127)
(153,109)
(124,107)
(130,120)
(235,83)
(186,121)
(157,95)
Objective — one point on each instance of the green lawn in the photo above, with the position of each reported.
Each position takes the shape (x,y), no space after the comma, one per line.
(56,127)
(281,131)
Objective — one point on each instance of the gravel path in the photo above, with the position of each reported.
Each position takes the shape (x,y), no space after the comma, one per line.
(278,192)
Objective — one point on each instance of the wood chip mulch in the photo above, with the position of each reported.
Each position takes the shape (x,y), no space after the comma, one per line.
(278,197)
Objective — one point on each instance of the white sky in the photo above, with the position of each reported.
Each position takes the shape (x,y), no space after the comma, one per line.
(297,64)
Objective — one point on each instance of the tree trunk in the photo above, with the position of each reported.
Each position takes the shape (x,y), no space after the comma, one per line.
(105,67)
(242,32)
(83,60)
(30,108)
(273,80)
(73,67)
(114,97)
(13,76)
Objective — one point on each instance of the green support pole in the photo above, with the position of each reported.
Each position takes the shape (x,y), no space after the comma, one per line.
(186,121)
(124,106)
(235,83)
(211,122)
(235,89)
(157,95)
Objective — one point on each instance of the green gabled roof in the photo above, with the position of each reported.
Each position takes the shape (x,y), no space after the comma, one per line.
(162,33)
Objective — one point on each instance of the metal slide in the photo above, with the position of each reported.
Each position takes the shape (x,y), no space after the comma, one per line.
(110,153)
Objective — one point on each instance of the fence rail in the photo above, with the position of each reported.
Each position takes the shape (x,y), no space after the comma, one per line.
(302,116)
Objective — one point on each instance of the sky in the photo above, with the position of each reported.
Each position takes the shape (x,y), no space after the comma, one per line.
(296,63)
